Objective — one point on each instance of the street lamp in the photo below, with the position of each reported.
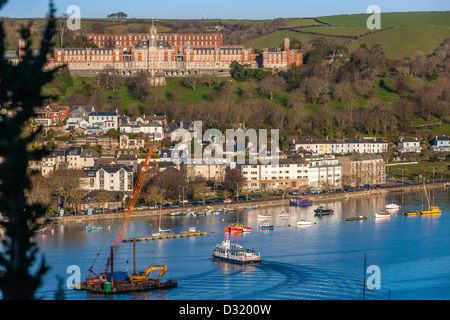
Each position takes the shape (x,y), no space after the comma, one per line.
(183,194)
(215,194)
(433,173)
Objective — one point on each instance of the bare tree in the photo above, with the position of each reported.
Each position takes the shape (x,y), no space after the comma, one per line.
(199,188)
(39,192)
(428,101)
(314,87)
(192,81)
(62,28)
(272,86)
(77,196)
(233,178)
(153,193)
(297,115)
(63,182)
(108,78)
(296,97)
(133,110)
(343,91)
(169,180)
(405,111)
(209,80)
(103,197)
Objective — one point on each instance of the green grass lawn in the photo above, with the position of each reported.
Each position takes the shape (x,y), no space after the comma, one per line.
(393,19)
(412,171)
(296,22)
(403,42)
(442,129)
(338,31)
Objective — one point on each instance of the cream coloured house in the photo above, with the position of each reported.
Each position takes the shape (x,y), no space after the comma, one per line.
(109,178)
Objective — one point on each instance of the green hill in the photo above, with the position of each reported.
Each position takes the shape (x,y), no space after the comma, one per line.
(393,19)
(402,33)
(402,42)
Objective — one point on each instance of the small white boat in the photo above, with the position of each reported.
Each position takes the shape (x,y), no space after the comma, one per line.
(284,214)
(191,214)
(162,232)
(178,213)
(383,214)
(264,216)
(392,206)
(265,226)
(304,223)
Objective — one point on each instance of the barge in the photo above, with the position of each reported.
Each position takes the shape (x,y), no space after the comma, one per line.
(126,286)
(235,253)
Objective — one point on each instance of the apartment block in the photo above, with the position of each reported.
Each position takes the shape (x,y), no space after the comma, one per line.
(363,169)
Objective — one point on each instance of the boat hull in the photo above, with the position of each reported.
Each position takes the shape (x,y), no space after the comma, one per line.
(430,213)
(324,212)
(415,213)
(300,204)
(241,262)
(392,206)
(356,218)
(89,228)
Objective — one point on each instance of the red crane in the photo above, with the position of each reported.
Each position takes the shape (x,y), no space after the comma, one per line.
(100,276)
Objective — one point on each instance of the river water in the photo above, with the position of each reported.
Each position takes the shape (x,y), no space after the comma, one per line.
(324,261)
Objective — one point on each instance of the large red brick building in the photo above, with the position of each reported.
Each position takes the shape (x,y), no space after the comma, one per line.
(169,54)
(174,39)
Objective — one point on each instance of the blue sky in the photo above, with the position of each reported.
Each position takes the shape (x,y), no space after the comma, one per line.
(223,9)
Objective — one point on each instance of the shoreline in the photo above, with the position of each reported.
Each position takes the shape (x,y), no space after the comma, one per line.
(241,205)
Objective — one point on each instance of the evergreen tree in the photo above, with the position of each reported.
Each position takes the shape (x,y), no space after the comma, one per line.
(20,92)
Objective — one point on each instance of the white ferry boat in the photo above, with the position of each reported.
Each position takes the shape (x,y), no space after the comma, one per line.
(235,253)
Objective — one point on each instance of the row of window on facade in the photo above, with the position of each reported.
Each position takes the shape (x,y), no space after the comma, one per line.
(139,37)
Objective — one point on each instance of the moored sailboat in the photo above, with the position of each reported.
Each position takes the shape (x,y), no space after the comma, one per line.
(161,232)
(432,210)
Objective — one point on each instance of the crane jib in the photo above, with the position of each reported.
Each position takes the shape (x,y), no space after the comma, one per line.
(127,215)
